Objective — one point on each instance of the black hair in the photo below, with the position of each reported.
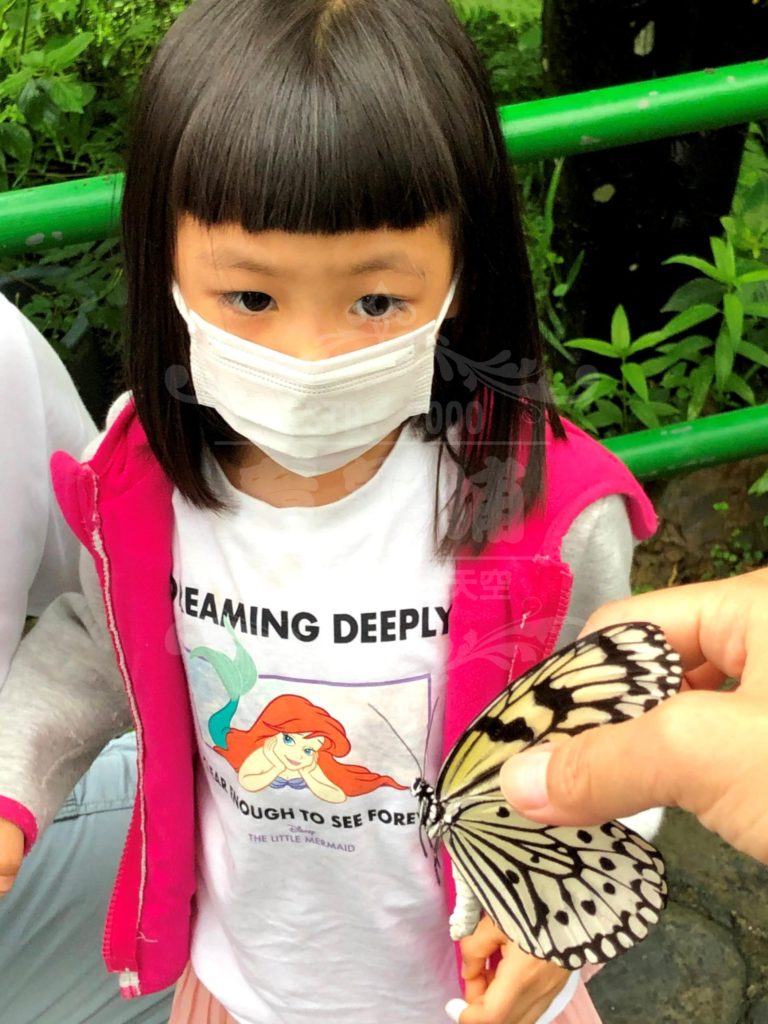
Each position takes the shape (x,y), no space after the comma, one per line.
(325,116)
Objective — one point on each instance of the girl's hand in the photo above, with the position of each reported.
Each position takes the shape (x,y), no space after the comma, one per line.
(11,854)
(518,991)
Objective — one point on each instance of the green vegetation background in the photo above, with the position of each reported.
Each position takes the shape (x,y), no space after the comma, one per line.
(67,71)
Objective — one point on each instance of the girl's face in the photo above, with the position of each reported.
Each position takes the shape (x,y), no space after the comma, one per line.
(314,296)
(296,751)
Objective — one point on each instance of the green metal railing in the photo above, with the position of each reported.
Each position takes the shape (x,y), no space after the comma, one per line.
(79,211)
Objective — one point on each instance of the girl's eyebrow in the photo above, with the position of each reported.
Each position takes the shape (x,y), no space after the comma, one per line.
(397,261)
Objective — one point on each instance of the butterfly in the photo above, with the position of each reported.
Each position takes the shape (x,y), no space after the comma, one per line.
(569,895)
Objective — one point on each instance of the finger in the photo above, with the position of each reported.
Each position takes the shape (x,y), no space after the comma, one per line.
(705,677)
(724,622)
(484,941)
(519,993)
(11,854)
(615,770)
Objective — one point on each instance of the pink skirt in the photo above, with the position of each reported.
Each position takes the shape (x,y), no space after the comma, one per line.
(194,1004)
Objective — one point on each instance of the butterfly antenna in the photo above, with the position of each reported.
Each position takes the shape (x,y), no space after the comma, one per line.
(430,720)
(394,730)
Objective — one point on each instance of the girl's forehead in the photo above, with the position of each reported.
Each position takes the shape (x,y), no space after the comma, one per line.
(417,251)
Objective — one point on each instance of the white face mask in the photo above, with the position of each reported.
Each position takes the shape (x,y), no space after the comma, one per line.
(312,417)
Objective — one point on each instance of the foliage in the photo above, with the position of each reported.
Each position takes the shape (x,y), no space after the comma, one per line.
(67,71)
(677,372)
(738,555)
(508,37)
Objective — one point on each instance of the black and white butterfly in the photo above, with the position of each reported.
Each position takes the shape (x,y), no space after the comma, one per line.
(569,895)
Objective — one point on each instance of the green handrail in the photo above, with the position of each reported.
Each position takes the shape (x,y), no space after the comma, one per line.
(87,209)
(681,447)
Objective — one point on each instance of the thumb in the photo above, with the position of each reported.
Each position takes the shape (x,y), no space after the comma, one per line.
(602,773)
(11,854)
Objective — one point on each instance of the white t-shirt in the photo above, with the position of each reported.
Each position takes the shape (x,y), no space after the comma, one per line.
(325,627)
(40,413)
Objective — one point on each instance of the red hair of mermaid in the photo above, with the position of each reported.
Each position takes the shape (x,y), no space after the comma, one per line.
(292,714)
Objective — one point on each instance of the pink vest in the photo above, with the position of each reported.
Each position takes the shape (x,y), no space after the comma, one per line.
(507,608)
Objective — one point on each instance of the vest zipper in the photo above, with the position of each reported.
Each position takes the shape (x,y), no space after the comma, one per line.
(128,975)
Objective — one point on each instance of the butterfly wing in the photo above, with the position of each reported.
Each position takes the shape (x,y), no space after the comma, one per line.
(569,895)
(565,894)
(608,676)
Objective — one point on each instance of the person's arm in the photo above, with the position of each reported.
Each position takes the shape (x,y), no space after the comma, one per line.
(40,411)
(63,700)
(702,750)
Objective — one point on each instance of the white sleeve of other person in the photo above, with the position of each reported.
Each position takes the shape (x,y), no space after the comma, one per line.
(40,413)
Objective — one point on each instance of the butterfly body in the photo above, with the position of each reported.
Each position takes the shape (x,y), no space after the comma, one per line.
(570,895)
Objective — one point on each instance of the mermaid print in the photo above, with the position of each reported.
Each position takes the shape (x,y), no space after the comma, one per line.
(293,744)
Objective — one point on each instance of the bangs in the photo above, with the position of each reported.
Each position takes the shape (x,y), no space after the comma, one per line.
(322,117)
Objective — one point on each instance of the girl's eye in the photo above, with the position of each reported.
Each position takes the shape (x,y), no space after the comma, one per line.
(288,740)
(248,302)
(308,751)
(379,306)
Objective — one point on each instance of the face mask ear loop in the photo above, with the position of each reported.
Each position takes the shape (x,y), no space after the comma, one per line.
(446,305)
(178,298)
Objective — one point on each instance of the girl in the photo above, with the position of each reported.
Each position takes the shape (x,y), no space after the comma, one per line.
(393,523)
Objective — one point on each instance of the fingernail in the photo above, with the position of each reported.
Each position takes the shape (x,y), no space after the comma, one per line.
(454,1008)
(5,884)
(525,780)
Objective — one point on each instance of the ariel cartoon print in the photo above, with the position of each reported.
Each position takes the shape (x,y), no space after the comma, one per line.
(293,743)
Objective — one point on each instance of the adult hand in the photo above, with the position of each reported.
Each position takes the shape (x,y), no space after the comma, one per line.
(702,750)
(11,854)
(518,990)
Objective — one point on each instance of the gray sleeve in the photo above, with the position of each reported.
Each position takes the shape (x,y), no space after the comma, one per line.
(599,548)
(63,700)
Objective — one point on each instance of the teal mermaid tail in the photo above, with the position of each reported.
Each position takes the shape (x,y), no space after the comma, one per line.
(219,723)
(239,675)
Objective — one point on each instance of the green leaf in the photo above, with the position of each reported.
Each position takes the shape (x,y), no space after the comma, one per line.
(738,386)
(608,415)
(701,382)
(71,95)
(724,356)
(649,340)
(695,292)
(600,348)
(11,85)
(620,334)
(656,365)
(698,264)
(641,411)
(633,375)
(724,257)
(760,486)
(603,387)
(688,348)
(16,141)
(39,110)
(752,277)
(59,57)
(688,318)
(752,352)
(734,316)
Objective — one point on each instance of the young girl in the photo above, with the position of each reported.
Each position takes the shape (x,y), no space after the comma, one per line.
(392,522)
